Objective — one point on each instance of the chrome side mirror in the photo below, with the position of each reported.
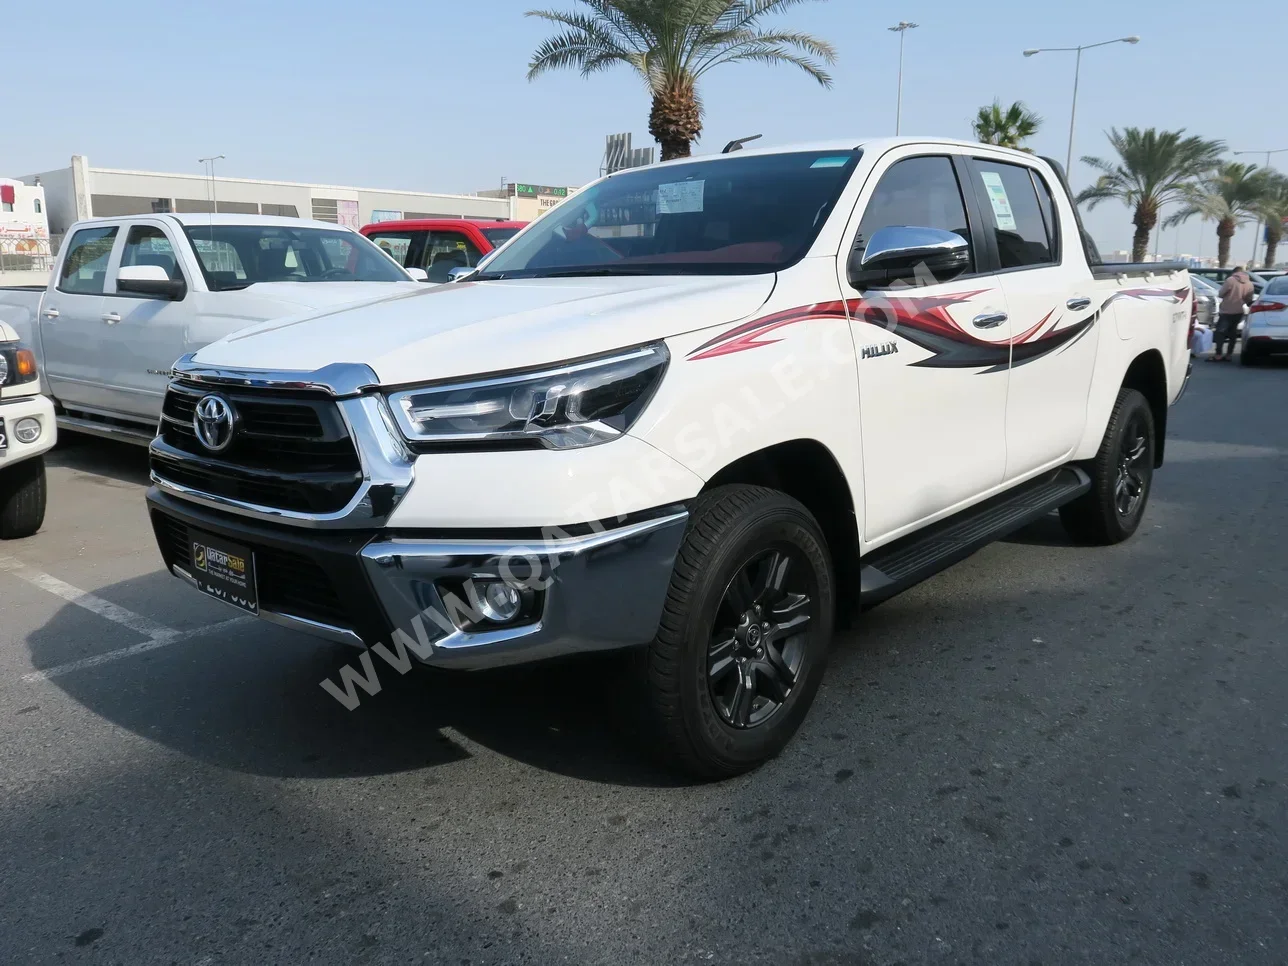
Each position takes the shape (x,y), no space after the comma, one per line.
(901,253)
(461,273)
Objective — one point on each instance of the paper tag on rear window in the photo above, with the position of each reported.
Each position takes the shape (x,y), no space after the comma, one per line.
(830,163)
(680,197)
(1000,200)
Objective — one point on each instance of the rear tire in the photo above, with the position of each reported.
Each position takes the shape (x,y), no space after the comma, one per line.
(744,635)
(22,499)
(1121,476)
(1249,357)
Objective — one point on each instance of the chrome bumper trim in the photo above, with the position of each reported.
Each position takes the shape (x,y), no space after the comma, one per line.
(602,591)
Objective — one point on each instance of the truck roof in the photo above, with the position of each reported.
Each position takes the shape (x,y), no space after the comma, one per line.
(880,144)
(196,219)
(412,224)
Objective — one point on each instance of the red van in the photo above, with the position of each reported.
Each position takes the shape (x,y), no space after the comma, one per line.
(439,245)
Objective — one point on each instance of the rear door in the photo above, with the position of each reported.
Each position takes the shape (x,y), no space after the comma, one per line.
(144,335)
(933,359)
(71,324)
(1052,306)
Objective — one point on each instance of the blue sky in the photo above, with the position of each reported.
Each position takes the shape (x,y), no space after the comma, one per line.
(432,95)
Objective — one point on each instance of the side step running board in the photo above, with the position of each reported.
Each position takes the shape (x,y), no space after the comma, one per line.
(126,434)
(897,566)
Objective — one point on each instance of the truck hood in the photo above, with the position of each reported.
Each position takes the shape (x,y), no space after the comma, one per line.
(297,296)
(462,329)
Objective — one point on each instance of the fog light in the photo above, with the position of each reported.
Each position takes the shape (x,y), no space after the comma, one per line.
(498,602)
(27,430)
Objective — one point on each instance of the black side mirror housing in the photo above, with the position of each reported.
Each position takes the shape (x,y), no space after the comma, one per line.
(908,254)
(173,289)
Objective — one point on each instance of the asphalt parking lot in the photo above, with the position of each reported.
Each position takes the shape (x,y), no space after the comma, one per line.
(1048,755)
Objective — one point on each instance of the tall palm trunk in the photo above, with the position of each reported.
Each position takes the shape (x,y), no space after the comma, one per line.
(1224,232)
(1145,219)
(676,119)
(1274,234)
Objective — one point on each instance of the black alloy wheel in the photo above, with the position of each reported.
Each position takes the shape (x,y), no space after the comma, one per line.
(759,644)
(1133,467)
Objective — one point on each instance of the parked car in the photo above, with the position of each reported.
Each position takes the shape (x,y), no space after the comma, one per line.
(1207,299)
(129,296)
(700,412)
(438,245)
(1265,332)
(27,431)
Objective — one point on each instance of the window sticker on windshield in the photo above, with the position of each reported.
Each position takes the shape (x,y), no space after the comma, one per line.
(831,162)
(1001,202)
(680,197)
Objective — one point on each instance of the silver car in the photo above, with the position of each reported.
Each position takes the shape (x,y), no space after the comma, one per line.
(1207,298)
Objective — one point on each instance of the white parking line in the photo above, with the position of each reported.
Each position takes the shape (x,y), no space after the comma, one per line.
(158,635)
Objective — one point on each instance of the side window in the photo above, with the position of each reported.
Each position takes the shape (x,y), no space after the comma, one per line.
(1024,225)
(147,245)
(448,250)
(85,266)
(394,244)
(917,193)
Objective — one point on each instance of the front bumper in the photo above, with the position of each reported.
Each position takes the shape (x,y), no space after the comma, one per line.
(22,407)
(599,591)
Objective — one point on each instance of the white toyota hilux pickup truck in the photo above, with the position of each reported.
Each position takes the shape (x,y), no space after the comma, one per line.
(128,296)
(698,412)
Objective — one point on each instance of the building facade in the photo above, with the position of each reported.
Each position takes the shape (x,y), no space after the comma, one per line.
(25,252)
(81,191)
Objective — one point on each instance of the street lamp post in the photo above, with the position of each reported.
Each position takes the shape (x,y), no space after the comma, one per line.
(1256,236)
(1077,71)
(901,28)
(210,163)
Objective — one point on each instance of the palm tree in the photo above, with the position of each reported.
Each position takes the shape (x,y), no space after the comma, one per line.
(1007,129)
(1231,195)
(1153,168)
(671,44)
(1274,209)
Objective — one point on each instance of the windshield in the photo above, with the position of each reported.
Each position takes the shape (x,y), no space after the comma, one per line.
(499,236)
(238,256)
(731,216)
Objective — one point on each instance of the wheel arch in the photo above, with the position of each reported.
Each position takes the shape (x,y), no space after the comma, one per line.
(807,471)
(1147,374)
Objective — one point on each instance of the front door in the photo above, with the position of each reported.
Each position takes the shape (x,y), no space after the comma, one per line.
(934,356)
(145,335)
(71,324)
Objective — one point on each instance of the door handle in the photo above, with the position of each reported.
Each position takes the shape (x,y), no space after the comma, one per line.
(1078,304)
(111,318)
(989,320)
(50,313)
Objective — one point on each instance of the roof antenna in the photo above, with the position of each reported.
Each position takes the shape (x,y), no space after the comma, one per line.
(733,146)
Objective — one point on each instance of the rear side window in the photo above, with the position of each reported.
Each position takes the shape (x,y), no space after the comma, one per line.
(916,193)
(85,267)
(448,250)
(148,245)
(1278,286)
(1022,212)
(395,244)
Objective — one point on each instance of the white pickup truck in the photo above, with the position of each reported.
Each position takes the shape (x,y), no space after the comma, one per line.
(129,296)
(699,412)
(27,432)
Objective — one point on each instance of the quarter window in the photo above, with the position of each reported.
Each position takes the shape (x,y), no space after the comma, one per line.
(1022,213)
(85,265)
(916,193)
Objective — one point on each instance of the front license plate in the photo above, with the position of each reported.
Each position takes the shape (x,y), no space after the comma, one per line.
(4,437)
(223,570)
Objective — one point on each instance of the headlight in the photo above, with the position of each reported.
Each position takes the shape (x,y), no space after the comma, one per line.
(17,365)
(578,404)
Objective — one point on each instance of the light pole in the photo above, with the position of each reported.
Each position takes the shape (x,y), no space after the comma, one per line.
(1077,71)
(1256,235)
(901,28)
(210,164)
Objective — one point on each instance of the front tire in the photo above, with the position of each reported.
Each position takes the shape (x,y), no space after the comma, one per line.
(1121,476)
(744,635)
(22,499)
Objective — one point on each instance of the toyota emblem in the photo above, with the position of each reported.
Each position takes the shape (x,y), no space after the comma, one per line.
(214,421)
